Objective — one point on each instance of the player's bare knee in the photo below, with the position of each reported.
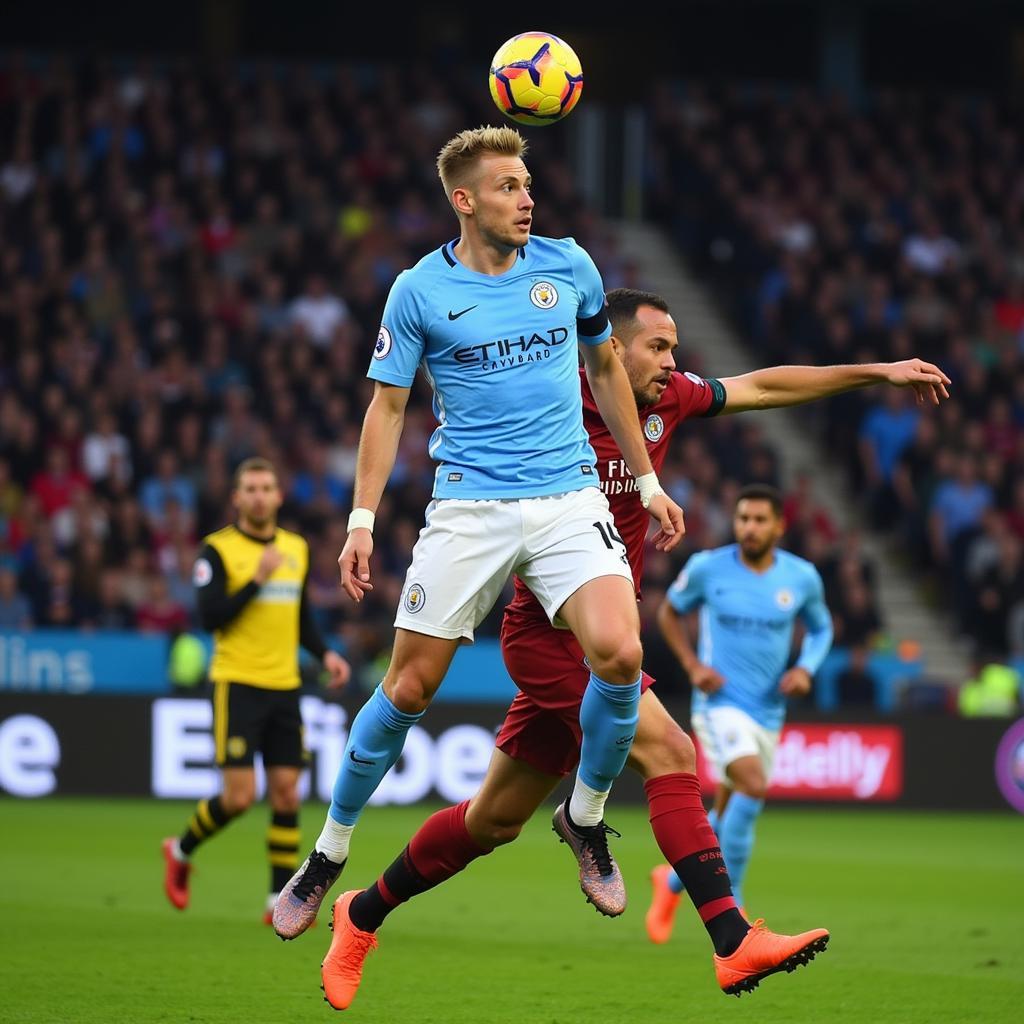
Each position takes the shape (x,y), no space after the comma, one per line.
(237,799)
(489,830)
(285,801)
(754,786)
(499,833)
(408,691)
(618,662)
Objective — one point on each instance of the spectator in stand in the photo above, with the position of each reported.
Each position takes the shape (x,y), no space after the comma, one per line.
(885,433)
(856,683)
(15,608)
(319,313)
(856,618)
(315,488)
(167,486)
(160,613)
(995,572)
(56,485)
(956,511)
(930,251)
(993,691)
(110,611)
(60,606)
(913,482)
(106,453)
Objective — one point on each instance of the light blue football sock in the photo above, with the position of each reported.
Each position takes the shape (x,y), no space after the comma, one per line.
(675,883)
(736,834)
(375,743)
(608,717)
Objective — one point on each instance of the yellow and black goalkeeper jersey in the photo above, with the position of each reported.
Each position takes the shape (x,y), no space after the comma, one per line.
(257,630)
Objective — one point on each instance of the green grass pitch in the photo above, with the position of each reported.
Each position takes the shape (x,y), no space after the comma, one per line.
(926,913)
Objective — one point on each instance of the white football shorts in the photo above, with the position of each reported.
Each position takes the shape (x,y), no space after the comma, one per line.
(727,734)
(468,549)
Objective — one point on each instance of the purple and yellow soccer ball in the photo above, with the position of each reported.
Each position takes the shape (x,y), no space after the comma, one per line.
(536,78)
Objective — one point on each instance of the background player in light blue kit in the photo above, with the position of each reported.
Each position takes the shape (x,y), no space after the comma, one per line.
(493,320)
(750,595)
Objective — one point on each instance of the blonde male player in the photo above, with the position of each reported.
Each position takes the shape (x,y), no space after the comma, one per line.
(496,321)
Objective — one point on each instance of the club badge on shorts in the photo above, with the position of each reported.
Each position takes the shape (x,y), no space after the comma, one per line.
(415,599)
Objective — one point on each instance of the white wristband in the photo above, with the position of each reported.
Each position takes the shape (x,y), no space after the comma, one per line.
(649,487)
(361,519)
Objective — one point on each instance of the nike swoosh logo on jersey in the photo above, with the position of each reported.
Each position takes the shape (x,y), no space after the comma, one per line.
(455,316)
(358,760)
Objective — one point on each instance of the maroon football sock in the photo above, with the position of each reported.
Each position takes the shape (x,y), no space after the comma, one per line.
(681,828)
(441,848)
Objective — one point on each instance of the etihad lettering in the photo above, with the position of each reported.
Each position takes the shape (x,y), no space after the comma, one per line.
(505,352)
(745,623)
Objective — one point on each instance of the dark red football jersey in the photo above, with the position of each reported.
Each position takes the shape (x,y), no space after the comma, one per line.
(686,396)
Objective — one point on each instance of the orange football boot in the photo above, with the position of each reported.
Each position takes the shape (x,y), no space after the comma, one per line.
(342,968)
(762,952)
(176,874)
(661,915)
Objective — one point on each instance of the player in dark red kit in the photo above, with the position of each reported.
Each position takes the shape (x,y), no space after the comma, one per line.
(539,742)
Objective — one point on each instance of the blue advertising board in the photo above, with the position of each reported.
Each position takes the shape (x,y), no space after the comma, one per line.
(70,661)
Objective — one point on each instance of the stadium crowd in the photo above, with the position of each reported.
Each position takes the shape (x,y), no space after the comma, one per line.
(193,264)
(845,235)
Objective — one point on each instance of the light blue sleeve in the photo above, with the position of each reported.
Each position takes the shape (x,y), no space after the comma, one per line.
(687,590)
(818,620)
(402,336)
(592,326)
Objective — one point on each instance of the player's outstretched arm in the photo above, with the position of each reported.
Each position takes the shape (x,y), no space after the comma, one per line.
(617,406)
(378,448)
(778,386)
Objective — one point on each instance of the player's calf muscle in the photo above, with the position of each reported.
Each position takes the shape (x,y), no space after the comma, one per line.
(662,751)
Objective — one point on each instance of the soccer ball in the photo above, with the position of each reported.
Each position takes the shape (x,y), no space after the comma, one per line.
(536,78)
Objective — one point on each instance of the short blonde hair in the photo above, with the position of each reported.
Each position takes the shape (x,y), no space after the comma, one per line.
(459,154)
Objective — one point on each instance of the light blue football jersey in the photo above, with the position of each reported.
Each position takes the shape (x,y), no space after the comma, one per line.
(500,353)
(746,626)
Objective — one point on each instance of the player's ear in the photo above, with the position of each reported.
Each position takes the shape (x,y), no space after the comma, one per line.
(462,200)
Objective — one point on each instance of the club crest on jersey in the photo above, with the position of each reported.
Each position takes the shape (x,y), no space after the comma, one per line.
(654,427)
(415,598)
(543,295)
(784,598)
(383,345)
(202,573)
